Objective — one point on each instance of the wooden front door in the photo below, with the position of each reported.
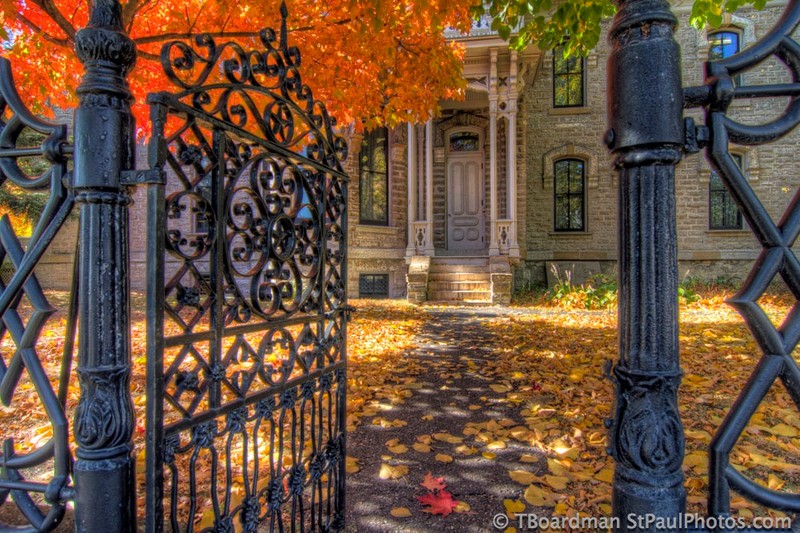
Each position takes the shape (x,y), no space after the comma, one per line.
(465,218)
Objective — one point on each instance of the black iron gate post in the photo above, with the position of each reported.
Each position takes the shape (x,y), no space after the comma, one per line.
(646,136)
(104,149)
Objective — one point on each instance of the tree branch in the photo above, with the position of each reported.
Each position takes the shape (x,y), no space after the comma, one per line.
(190,35)
(65,42)
(53,12)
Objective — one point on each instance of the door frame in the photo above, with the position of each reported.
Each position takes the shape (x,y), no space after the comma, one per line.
(449,155)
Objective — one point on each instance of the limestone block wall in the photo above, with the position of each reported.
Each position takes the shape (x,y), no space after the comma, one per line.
(379,249)
(555,133)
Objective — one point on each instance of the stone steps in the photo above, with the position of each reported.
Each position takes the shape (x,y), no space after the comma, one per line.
(460,279)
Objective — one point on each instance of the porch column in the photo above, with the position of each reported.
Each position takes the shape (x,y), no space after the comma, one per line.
(511,173)
(411,247)
(494,249)
(429,251)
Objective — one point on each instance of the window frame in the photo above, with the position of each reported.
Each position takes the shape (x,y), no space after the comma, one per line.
(727,197)
(570,195)
(366,144)
(556,75)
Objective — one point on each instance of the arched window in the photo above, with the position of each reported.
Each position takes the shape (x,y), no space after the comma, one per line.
(373,178)
(569,201)
(723,213)
(568,83)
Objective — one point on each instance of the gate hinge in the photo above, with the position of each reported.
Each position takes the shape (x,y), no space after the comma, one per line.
(153,176)
(695,137)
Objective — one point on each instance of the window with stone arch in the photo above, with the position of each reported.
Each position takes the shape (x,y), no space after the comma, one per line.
(373,178)
(569,198)
(568,79)
(723,43)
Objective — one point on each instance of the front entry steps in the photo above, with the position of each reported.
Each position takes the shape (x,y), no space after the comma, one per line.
(467,280)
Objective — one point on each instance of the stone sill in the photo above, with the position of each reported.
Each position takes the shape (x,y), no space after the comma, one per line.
(569,234)
(728,232)
(582,110)
(368,228)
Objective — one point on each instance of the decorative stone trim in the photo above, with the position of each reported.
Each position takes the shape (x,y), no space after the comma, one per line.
(589,157)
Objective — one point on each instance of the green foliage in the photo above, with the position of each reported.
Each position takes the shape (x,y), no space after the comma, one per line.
(599,291)
(22,203)
(547,24)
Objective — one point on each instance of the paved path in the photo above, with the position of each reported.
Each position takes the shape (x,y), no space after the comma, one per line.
(453,349)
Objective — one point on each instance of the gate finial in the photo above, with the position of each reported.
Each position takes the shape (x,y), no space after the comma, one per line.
(284,16)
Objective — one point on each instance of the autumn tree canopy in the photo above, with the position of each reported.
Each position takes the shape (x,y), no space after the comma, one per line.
(373,61)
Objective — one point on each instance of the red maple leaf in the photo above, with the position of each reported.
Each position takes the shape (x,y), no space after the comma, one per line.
(440,503)
(433,483)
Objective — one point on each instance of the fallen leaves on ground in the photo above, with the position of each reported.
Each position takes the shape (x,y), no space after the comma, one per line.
(438,500)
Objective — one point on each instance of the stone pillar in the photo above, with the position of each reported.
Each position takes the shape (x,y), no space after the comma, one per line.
(494,248)
(411,247)
(511,135)
(104,472)
(429,250)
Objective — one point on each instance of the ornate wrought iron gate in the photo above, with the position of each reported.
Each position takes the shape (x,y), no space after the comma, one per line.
(246,295)
(246,204)
(648,137)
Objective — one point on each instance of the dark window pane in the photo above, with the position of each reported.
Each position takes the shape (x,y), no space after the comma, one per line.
(568,195)
(374,178)
(464,142)
(567,79)
(723,213)
(373,285)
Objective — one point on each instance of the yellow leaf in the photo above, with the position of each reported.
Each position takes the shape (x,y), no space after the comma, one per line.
(499,388)
(392,472)
(557,482)
(557,467)
(606,475)
(400,512)
(443,458)
(462,507)
(528,458)
(774,482)
(424,439)
(421,448)
(496,445)
(521,476)
(466,450)
(400,448)
(539,497)
(783,430)
(561,508)
(489,455)
(351,465)
(513,506)
(474,407)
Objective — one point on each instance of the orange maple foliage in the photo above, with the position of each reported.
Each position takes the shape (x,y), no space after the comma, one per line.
(374,62)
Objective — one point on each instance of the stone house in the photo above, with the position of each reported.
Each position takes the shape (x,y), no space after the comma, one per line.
(514,179)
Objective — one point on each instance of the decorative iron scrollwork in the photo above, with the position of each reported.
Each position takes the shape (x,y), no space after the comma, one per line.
(252,247)
(20,330)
